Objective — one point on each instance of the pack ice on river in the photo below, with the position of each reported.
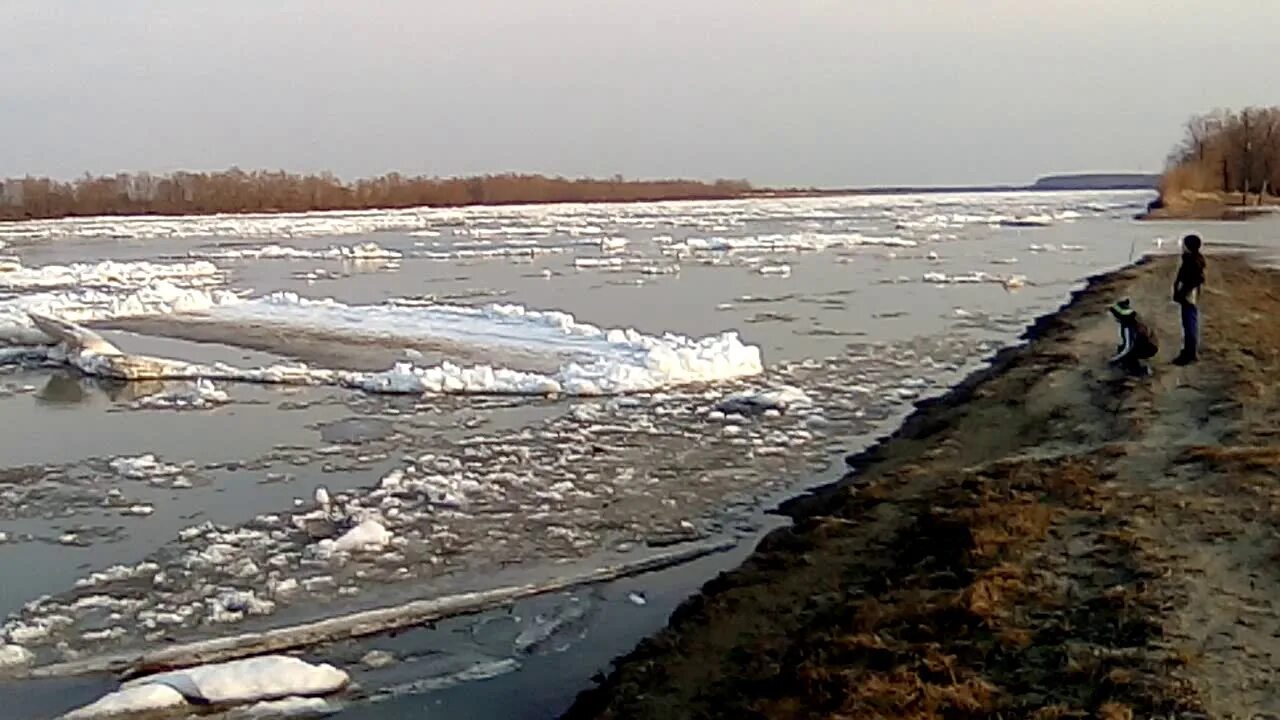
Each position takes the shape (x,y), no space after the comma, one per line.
(229,424)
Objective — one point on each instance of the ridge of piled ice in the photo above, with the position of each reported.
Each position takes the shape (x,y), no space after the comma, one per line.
(108,273)
(785,242)
(361,251)
(86,304)
(973,278)
(610,361)
(605,361)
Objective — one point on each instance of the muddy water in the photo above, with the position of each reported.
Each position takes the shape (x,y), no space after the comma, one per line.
(856,328)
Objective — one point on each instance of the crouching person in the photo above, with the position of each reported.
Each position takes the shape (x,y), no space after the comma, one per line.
(1137,341)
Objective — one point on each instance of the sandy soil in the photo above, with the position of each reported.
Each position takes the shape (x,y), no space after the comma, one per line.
(1050,540)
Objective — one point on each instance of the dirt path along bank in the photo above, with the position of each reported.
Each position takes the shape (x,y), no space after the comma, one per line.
(1048,541)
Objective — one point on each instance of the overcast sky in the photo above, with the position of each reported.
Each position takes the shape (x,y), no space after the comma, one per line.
(839,92)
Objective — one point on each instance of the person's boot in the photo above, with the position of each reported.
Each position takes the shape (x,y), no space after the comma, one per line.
(1184,358)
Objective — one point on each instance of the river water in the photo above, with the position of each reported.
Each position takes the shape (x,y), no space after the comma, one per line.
(602,382)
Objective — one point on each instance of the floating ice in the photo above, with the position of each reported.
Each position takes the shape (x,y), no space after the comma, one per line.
(14,655)
(597,262)
(84,304)
(129,702)
(271,677)
(198,396)
(290,707)
(362,251)
(785,243)
(1026,221)
(368,535)
(973,278)
(612,244)
(107,274)
(141,467)
(604,361)
(268,677)
(754,402)
(782,270)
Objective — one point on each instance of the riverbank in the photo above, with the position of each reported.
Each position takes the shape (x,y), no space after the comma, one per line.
(1211,206)
(1047,540)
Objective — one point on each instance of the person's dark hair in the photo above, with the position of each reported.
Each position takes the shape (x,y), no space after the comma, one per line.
(1192,243)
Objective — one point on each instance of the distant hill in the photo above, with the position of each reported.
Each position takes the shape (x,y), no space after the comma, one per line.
(1098,181)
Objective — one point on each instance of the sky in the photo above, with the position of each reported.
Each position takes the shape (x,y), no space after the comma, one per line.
(785,92)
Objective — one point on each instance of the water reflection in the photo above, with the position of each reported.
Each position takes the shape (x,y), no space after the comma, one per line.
(69,389)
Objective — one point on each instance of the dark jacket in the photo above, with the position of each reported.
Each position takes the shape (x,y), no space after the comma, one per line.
(1186,288)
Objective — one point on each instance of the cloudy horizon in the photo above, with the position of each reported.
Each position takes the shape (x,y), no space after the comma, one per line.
(807,93)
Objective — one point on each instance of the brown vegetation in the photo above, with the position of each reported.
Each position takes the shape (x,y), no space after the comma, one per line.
(1231,155)
(237,191)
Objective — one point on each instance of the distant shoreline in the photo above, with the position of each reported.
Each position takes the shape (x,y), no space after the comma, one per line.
(621,191)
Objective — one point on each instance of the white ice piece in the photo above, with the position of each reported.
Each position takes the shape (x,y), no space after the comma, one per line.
(290,707)
(269,677)
(128,702)
(141,467)
(368,535)
(14,655)
(202,394)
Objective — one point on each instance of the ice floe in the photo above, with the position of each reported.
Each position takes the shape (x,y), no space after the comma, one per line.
(107,274)
(368,535)
(239,682)
(85,304)
(129,702)
(142,467)
(14,655)
(290,707)
(201,394)
(361,251)
(973,278)
(604,361)
(760,401)
(784,242)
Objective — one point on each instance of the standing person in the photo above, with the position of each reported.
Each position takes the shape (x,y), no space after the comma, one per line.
(1137,341)
(1186,292)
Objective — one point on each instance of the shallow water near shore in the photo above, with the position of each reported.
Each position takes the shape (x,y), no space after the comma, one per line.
(863,306)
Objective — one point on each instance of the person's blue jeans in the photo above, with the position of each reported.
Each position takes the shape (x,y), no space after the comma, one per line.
(1190,330)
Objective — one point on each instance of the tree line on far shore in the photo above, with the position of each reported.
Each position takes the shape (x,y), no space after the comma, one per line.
(238,191)
(1227,151)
